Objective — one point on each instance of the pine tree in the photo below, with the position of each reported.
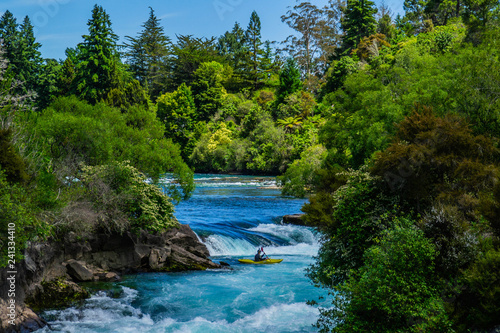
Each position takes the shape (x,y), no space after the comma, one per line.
(29,59)
(232,46)
(9,35)
(358,22)
(21,50)
(98,59)
(289,81)
(148,55)
(255,52)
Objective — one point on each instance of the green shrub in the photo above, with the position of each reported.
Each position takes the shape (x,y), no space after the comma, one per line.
(125,200)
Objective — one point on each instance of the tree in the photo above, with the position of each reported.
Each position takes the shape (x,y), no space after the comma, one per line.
(319,35)
(358,22)
(289,81)
(188,53)
(96,71)
(178,112)
(21,50)
(254,47)
(148,56)
(232,46)
(48,88)
(208,89)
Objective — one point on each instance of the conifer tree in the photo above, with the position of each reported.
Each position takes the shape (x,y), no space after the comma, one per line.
(148,56)
(255,51)
(21,50)
(232,46)
(289,81)
(358,22)
(98,59)
(29,58)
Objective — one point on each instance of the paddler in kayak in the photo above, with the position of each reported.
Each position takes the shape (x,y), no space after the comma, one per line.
(259,256)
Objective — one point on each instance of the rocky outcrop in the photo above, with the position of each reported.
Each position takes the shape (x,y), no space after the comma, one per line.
(293,219)
(48,274)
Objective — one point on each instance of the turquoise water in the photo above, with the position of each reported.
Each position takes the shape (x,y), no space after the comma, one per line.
(233,216)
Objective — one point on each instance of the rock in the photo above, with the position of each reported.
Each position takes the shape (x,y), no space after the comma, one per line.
(42,276)
(224,264)
(295,219)
(57,293)
(23,319)
(78,271)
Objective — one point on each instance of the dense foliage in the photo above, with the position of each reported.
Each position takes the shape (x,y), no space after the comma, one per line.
(390,126)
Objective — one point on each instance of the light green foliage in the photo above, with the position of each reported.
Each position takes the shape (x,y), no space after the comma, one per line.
(213,152)
(125,200)
(298,104)
(395,290)
(18,222)
(337,72)
(178,112)
(271,151)
(302,173)
(208,90)
(75,132)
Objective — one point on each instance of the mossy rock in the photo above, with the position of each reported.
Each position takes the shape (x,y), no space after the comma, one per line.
(57,294)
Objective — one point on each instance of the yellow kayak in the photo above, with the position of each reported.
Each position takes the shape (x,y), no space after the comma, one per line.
(263,262)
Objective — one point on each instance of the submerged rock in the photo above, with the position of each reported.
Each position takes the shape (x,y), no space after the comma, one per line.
(293,219)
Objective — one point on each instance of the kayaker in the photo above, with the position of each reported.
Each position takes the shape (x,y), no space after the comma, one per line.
(258,256)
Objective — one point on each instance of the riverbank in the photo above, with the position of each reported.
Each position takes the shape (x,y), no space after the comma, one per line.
(48,276)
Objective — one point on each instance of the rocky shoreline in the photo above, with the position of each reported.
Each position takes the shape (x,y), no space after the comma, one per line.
(50,273)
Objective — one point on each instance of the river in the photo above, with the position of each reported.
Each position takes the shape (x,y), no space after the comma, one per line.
(233,216)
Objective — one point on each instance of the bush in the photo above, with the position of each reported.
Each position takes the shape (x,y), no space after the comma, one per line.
(18,222)
(125,200)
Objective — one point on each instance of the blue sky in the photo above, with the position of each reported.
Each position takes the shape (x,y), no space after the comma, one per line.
(61,23)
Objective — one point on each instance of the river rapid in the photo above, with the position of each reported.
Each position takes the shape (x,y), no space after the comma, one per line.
(233,216)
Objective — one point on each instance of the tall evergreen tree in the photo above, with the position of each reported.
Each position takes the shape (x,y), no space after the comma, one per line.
(96,72)
(232,46)
(29,58)
(9,34)
(148,55)
(358,22)
(21,50)
(255,51)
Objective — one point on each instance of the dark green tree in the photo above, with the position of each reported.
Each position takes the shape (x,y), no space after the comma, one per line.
(148,56)
(358,22)
(21,50)
(30,59)
(48,88)
(96,70)
(232,46)
(255,51)
(289,81)
(188,53)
